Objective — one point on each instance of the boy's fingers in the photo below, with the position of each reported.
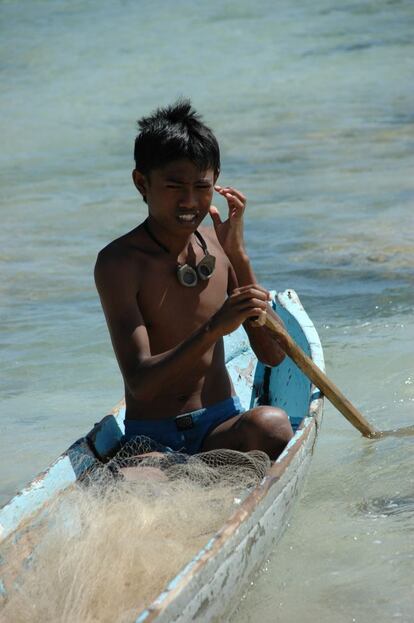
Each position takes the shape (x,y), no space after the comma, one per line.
(235,202)
(215,215)
(259,321)
(254,288)
(239,195)
(235,199)
(256,317)
(233,191)
(250,305)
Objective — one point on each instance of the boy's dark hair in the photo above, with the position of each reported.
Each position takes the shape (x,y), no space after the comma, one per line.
(173,133)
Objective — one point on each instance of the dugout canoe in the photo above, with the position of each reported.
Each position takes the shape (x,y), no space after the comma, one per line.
(207,586)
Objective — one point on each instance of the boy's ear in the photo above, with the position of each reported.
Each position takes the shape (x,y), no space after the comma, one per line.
(140,182)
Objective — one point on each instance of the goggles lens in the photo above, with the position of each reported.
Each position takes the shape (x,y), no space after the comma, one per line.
(187,276)
(206,267)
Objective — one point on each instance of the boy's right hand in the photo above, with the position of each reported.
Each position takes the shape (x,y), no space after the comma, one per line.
(243,303)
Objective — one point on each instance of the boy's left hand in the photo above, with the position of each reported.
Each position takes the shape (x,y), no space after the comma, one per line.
(230,232)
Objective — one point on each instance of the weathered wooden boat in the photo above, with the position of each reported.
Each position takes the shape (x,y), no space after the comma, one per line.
(216,575)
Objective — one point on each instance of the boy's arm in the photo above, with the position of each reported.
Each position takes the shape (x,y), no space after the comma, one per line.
(230,235)
(143,372)
(263,343)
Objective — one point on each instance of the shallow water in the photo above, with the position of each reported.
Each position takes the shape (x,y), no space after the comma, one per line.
(313,107)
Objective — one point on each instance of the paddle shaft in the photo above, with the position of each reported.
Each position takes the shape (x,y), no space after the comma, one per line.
(319,379)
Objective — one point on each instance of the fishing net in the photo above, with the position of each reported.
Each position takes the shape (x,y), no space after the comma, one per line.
(224,466)
(114,541)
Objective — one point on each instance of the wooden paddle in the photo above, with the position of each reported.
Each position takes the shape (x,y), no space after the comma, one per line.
(321,381)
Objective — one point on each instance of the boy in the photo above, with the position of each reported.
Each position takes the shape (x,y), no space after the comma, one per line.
(171,290)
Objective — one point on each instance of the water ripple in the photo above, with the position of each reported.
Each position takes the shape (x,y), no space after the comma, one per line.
(387,507)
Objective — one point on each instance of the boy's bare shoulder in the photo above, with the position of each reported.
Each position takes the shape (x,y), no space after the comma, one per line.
(120,257)
(121,247)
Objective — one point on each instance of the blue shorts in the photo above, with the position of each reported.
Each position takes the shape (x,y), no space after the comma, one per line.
(184,433)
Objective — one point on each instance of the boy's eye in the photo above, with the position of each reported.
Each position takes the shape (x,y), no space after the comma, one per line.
(198,186)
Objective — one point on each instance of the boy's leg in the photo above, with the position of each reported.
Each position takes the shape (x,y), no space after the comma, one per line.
(263,428)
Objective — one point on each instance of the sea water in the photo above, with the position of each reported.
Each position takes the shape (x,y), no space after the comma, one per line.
(312,103)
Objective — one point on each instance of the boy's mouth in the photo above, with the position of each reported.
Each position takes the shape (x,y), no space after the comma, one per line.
(188,217)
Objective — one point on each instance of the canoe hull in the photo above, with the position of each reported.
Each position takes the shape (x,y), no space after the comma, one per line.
(218,574)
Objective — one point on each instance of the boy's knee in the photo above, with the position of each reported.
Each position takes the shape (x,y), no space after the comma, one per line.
(269,429)
(270,420)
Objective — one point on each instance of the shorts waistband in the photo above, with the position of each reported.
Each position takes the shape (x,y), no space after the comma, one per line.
(220,408)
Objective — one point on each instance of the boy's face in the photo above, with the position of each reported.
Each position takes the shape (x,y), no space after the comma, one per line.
(179,195)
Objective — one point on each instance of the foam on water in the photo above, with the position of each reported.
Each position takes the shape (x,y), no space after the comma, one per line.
(312,103)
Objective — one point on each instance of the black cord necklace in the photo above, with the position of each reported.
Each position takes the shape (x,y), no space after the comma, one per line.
(188,275)
(151,235)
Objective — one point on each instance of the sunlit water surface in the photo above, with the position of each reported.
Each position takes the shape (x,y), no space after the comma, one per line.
(313,107)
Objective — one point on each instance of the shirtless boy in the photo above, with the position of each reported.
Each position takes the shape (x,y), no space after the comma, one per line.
(168,304)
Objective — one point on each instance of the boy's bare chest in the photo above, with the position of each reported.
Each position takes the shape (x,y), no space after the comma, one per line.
(171,311)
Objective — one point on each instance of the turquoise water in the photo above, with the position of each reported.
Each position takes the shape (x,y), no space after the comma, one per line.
(313,107)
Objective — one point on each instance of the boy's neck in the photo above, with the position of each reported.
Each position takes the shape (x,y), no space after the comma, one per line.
(173,242)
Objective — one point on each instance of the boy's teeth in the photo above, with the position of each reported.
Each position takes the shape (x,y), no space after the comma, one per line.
(186,217)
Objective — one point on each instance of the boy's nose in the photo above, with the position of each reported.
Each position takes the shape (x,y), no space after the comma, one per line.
(188,199)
